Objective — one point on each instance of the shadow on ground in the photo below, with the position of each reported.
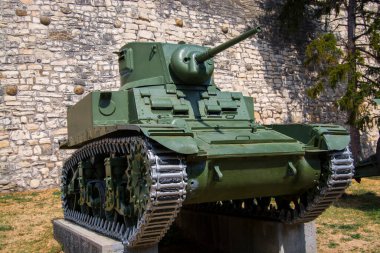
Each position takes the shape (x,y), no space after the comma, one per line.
(368,202)
(175,241)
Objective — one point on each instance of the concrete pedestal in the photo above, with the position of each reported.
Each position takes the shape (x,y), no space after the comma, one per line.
(233,234)
(76,239)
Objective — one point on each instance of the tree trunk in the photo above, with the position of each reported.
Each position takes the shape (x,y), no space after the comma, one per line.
(378,150)
(355,143)
(352,79)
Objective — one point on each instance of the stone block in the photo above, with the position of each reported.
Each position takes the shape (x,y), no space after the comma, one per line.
(76,239)
(235,234)
(4,144)
(34,183)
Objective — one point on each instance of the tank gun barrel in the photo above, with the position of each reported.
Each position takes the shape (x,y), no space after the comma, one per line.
(202,57)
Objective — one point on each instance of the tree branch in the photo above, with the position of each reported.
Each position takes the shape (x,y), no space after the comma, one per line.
(336,27)
(361,24)
(365,12)
(369,79)
(363,34)
(369,53)
(336,19)
(368,66)
(362,44)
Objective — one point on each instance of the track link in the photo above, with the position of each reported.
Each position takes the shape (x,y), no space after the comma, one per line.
(167,192)
(341,172)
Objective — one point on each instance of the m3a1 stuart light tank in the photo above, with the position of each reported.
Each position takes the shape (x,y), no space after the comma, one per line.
(169,138)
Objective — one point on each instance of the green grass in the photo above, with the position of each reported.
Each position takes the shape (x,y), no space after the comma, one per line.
(366,201)
(13,198)
(5,227)
(333,245)
(57,193)
(356,236)
(55,249)
(352,224)
(343,227)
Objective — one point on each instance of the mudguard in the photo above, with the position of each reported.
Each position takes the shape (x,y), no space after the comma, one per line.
(316,137)
(332,140)
(172,138)
(180,144)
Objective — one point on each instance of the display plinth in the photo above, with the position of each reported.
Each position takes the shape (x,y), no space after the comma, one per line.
(77,239)
(245,235)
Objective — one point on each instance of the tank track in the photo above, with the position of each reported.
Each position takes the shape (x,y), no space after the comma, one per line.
(167,192)
(334,180)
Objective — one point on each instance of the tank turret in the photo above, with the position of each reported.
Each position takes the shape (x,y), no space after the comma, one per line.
(193,64)
(150,63)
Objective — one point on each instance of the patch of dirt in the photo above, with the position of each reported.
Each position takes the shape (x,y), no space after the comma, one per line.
(27,218)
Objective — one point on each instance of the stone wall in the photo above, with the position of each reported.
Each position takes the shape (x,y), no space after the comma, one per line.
(55,52)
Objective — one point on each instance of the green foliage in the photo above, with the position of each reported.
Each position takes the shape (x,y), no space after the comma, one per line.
(323,7)
(374,37)
(295,14)
(331,67)
(325,59)
(323,52)
(292,15)
(354,70)
(374,45)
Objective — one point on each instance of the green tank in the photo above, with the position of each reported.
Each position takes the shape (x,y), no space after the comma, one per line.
(169,138)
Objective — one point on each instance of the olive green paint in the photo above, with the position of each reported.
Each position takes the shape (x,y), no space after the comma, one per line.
(168,95)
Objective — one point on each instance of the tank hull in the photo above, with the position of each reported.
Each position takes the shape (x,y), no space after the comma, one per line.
(227,157)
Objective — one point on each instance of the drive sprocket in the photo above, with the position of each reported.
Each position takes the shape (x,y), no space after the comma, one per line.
(139,176)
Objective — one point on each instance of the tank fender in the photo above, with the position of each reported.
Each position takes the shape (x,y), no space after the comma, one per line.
(321,136)
(183,144)
(180,144)
(332,140)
